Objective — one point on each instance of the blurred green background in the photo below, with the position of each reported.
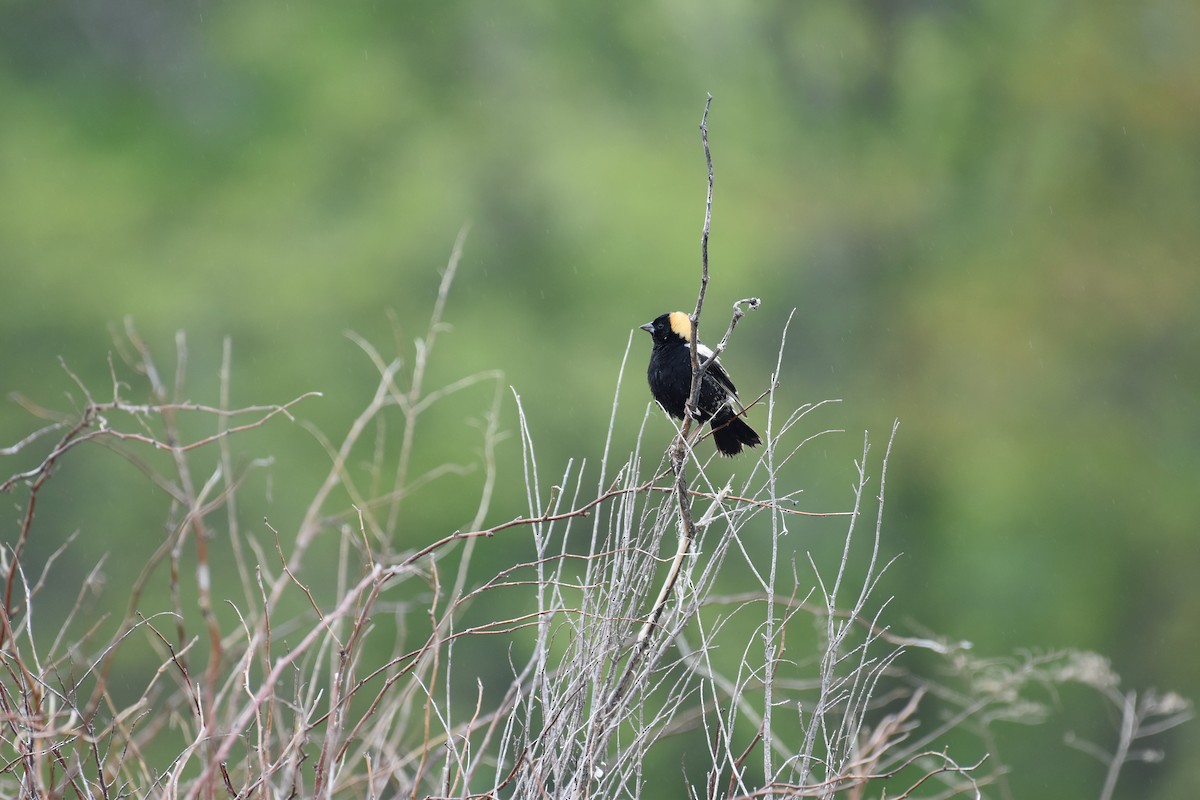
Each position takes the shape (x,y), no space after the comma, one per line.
(985,214)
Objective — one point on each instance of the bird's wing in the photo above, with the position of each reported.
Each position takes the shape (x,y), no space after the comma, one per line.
(722,378)
(715,369)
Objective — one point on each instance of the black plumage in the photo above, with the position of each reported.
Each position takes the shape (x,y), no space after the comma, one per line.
(670,377)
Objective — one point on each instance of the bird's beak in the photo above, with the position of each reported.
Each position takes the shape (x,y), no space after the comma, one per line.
(648,327)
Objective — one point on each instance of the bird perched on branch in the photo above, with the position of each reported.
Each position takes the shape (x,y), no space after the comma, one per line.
(670,376)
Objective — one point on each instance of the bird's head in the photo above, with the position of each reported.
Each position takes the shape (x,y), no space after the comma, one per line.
(675,325)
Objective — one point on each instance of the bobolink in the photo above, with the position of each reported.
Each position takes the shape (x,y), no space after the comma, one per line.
(670,376)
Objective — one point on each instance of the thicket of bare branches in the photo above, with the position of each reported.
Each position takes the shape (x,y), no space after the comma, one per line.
(559,675)
(338,665)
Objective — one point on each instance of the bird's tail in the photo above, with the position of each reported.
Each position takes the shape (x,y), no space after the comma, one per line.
(730,432)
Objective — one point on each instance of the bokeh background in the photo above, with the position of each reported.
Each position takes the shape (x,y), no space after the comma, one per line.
(986,215)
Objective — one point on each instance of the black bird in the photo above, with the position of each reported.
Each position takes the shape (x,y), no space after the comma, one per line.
(670,376)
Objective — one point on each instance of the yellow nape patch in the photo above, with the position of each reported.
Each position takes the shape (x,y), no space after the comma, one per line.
(681,323)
